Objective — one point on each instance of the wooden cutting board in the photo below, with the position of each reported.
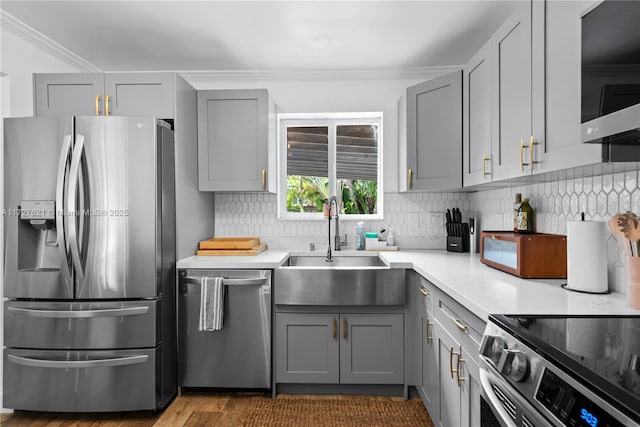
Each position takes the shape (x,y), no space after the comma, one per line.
(233,252)
(230,243)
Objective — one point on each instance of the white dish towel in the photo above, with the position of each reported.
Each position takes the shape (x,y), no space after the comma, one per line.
(211,304)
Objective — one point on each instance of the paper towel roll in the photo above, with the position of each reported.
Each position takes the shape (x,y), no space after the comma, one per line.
(587,256)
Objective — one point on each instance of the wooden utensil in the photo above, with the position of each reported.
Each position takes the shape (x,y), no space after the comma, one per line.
(629,225)
(614,227)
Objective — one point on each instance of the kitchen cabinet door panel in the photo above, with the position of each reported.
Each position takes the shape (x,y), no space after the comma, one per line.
(563,148)
(449,411)
(136,94)
(70,94)
(307,348)
(477,118)
(233,139)
(470,390)
(372,349)
(432,150)
(512,93)
(429,385)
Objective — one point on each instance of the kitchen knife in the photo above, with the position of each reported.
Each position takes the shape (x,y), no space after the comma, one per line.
(457,215)
(448,216)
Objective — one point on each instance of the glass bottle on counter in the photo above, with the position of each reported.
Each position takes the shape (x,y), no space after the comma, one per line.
(516,208)
(525,217)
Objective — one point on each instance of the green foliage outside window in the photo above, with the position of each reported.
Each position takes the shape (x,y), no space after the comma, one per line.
(308,194)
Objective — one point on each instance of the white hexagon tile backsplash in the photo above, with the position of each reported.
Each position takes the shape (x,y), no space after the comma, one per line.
(418,218)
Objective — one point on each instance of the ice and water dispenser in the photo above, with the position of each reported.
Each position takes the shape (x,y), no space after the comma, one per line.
(37,236)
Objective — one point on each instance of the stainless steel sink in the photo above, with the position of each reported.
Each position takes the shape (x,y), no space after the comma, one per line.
(337,261)
(348,280)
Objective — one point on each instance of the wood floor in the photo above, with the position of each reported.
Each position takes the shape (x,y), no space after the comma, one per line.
(211,409)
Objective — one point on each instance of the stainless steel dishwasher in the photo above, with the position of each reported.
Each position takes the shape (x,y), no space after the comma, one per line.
(239,354)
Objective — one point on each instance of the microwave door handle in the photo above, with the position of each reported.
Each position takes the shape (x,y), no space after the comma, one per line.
(74,173)
(61,212)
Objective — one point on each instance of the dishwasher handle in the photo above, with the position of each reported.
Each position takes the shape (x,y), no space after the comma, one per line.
(230,282)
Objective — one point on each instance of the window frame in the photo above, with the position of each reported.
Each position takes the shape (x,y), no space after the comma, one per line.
(331,120)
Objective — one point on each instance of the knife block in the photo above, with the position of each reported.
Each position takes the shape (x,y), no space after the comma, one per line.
(458,237)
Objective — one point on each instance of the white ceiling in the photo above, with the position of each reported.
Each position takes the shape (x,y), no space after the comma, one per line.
(265,35)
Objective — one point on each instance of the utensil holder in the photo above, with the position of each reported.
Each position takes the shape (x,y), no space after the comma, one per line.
(633,282)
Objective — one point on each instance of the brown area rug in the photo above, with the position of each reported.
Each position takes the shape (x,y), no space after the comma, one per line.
(286,411)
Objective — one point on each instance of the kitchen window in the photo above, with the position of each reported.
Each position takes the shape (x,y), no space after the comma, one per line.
(321,155)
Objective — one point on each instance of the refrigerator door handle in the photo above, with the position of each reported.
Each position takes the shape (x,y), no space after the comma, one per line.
(79,314)
(61,212)
(74,173)
(71,364)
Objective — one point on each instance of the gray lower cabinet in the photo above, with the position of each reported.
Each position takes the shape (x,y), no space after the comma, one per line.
(428,381)
(430,134)
(307,348)
(457,377)
(97,94)
(447,372)
(333,348)
(236,140)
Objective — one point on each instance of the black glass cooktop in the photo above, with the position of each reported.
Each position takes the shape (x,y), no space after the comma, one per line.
(603,352)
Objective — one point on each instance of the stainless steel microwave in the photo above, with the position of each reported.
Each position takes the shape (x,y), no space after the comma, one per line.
(611,73)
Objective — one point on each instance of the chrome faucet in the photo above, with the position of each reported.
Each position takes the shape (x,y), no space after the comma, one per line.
(337,243)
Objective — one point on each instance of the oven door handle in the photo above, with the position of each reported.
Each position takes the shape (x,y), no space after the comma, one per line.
(496,405)
(487,377)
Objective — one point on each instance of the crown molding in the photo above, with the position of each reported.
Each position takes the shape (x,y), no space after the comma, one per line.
(308,75)
(34,37)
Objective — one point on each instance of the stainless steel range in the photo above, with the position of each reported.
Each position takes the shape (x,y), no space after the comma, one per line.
(560,371)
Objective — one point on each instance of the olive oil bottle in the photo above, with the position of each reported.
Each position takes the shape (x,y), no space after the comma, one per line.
(525,217)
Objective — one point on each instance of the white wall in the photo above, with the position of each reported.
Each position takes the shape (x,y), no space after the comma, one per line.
(22,53)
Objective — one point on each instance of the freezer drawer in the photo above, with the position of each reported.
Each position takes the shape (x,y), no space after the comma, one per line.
(238,355)
(81,381)
(82,325)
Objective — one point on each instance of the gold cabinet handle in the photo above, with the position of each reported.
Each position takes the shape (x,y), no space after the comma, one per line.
(424,291)
(106,105)
(460,379)
(97,104)
(429,336)
(264,178)
(460,325)
(344,328)
(451,353)
(334,334)
(485,158)
(522,163)
(410,178)
(532,142)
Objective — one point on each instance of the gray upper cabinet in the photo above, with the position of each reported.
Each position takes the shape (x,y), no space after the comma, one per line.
(430,122)
(236,140)
(135,94)
(563,148)
(95,94)
(80,94)
(476,145)
(518,92)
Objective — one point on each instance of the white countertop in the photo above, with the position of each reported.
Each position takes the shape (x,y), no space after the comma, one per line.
(267,259)
(482,289)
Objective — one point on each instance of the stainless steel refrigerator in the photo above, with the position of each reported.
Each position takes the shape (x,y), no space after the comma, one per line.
(89,268)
